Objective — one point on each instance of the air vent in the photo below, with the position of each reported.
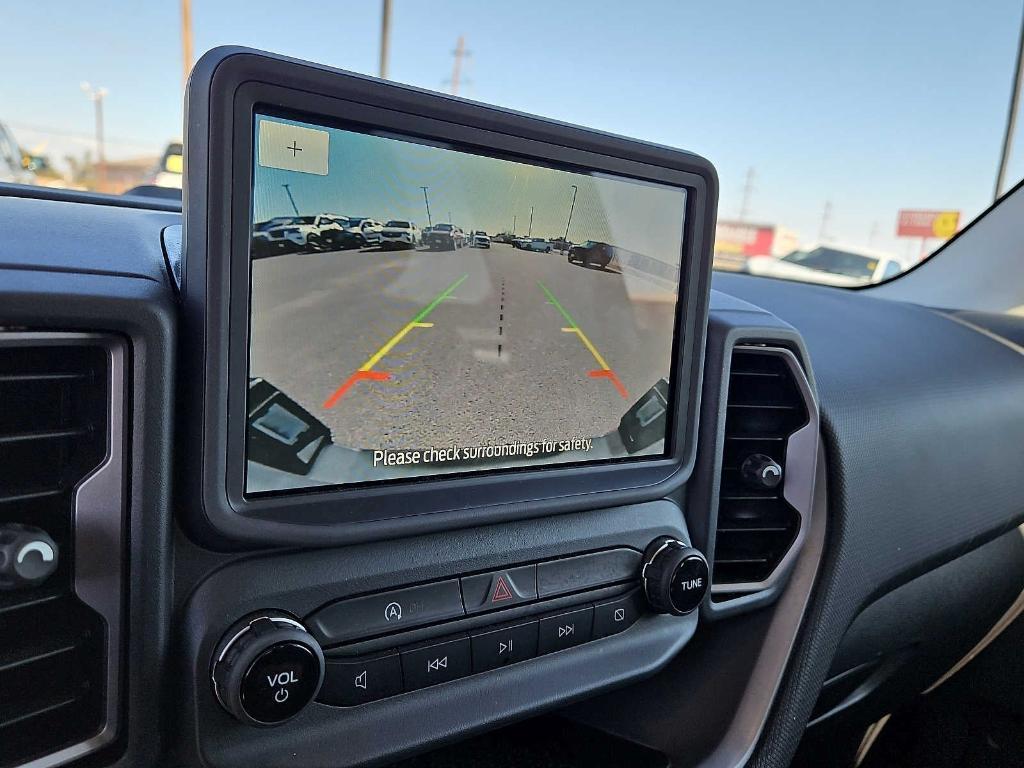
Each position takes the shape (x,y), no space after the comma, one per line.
(53,433)
(756,526)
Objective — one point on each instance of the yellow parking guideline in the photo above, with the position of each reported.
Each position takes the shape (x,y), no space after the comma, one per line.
(391,344)
(590,346)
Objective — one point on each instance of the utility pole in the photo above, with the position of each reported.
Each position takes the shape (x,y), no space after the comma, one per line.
(826,219)
(288,189)
(565,243)
(513,226)
(459,53)
(426,202)
(385,37)
(96,96)
(186,40)
(748,188)
(1011,117)
(449,217)
(530,232)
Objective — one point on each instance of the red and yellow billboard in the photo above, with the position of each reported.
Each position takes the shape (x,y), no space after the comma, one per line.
(925,224)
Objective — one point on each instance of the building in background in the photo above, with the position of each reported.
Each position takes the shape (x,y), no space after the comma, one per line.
(736,241)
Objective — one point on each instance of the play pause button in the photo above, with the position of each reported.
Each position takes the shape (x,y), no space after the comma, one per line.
(499,647)
(566,630)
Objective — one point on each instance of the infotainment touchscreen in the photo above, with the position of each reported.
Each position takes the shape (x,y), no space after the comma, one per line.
(417,309)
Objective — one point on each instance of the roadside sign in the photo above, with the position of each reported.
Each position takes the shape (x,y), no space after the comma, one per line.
(925,224)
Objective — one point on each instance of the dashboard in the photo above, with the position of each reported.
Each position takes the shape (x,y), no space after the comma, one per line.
(291,485)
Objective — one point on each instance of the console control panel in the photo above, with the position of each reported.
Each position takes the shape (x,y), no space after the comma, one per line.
(271,665)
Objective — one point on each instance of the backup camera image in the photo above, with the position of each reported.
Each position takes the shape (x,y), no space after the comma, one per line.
(418,310)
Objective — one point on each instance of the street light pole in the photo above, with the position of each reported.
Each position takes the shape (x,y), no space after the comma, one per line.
(96,96)
(426,202)
(1011,116)
(186,39)
(385,37)
(530,232)
(288,189)
(565,240)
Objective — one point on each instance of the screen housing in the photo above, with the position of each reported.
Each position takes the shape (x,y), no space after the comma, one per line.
(226,90)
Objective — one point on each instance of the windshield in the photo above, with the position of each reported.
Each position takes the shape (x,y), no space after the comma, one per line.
(443,227)
(836,261)
(398,224)
(878,126)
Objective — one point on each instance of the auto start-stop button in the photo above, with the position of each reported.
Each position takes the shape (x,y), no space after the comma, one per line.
(280,682)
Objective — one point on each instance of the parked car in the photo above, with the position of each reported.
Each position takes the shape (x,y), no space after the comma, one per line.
(263,244)
(444,237)
(831,264)
(520,242)
(481,239)
(360,232)
(538,244)
(399,234)
(12,160)
(592,253)
(300,233)
(168,172)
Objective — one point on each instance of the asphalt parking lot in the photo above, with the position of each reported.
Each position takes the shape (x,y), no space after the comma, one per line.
(416,349)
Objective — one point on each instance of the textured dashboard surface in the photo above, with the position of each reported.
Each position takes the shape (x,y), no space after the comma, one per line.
(923,423)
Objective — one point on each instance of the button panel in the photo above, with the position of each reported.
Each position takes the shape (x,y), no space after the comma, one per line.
(398,610)
(351,681)
(543,591)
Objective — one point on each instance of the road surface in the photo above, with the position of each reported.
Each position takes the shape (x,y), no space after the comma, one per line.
(417,349)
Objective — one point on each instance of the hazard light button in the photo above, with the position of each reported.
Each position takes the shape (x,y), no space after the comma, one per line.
(499,589)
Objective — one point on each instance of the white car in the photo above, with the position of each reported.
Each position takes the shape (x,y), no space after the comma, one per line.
(399,234)
(12,166)
(303,233)
(361,232)
(538,244)
(481,239)
(829,264)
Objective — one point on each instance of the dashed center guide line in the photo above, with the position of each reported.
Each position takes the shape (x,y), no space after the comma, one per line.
(605,371)
(366,369)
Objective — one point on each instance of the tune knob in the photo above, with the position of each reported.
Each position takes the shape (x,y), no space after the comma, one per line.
(267,668)
(675,576)
(28,556)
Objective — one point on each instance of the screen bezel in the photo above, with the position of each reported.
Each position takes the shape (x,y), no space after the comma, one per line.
(229,89)
(318,121)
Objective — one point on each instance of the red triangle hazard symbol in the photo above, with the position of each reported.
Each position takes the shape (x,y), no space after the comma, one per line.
(501,591)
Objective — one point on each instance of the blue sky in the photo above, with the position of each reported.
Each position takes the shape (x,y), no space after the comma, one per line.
(872,106)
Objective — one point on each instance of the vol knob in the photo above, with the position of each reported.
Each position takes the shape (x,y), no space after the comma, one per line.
(675,576)
(28,556)
(267,668)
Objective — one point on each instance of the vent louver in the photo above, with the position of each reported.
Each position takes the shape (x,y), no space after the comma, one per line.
(53,433)
(756,526)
